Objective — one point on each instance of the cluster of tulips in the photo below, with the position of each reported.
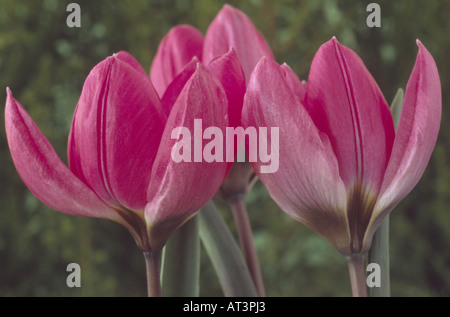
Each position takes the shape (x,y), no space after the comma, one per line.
(343,166)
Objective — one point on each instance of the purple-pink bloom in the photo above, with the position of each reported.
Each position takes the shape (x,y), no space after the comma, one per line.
(343,167)
(231,49)
(119,151)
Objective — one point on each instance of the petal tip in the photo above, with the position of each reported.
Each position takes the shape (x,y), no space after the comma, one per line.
(120,55)
(231,50)
(9,98)
(421,46)
(200,71)
(264,67)
(263,60)
(332,43)
(262,64)
(199,67)
(228,7)
(228,12)
(335,41)
(285,65)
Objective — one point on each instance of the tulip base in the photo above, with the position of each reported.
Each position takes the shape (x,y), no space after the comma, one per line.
(153,267)
(357,273)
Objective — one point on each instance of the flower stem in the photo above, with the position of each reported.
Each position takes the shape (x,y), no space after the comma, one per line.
(357,272)
(181,262)
(240,214)
(153,266)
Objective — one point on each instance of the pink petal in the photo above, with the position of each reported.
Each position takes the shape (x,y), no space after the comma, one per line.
(307,185)
(176,86)
(346,103)
(177,48)
(116,132)
(229,72)
(232,28)
(178,190)
(43,172)
(298,87)
(416,134)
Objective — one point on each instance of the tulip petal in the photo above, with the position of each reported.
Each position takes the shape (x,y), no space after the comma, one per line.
(177,49)
(43,172)
(307,185)
(178,190)
(229,72)
(346,103)
(298,87)
(416,134)
(232,28)
(116,132)
(176,86)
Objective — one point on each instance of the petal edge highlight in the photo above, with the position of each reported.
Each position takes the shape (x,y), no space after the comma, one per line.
(416,134)
(43,172)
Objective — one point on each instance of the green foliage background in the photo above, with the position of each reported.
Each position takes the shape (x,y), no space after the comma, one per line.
(45,64)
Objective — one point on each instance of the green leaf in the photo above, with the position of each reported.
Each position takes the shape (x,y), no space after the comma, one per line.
(379,251)
(181,262)
(225,254)
(396,106)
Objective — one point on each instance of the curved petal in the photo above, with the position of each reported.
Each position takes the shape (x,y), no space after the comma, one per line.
(43,172)
(178,190)
(416,134)
(346,103)
(177,48)
(307,185)
(232,28)
(116,132)
(176,86)
(298,87)
(229,72)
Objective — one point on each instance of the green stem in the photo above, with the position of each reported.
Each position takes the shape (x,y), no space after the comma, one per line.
(379,253)
(240,214)
(224,253)
(181,262)
(356,269)
(153,267)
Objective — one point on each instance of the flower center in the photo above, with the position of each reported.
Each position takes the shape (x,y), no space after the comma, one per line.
(360,204)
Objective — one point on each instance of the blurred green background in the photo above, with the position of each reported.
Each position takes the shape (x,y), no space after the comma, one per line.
(45,64)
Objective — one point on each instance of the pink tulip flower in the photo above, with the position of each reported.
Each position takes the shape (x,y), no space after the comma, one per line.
(231,49)
(342,166)
(230,33)
(119,151)
(232,28)
(175,51)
